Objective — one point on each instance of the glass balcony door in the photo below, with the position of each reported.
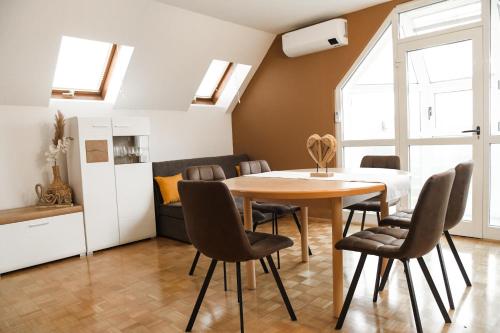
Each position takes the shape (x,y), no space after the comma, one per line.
(441,96)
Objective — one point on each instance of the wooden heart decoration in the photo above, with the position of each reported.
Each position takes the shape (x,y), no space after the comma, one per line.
(322,149)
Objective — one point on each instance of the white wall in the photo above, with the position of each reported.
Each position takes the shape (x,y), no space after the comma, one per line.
(173,48)
(25,133)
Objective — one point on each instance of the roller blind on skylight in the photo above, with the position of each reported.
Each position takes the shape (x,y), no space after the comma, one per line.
(81,64)
(212,78)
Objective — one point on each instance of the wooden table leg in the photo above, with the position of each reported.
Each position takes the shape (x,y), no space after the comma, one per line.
(304,235)
(384,205)
(337,257)
(250,265)
(384,212)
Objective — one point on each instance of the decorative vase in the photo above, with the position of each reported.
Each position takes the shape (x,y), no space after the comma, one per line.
(59,190)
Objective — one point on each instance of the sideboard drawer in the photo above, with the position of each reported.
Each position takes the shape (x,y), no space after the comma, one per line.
(34,242)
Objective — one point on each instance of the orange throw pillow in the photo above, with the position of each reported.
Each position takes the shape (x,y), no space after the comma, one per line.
(168,188)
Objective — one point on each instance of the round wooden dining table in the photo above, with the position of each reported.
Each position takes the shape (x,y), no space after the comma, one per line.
(300,192)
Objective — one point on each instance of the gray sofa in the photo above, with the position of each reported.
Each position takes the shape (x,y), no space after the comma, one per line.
(170,218)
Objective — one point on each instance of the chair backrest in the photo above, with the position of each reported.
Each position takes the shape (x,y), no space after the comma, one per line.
(427,222)
(381,161)
(205,172)
(459,194)
(252,167)
(213,222)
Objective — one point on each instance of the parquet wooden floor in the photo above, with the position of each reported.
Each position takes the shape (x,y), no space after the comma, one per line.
(144,287)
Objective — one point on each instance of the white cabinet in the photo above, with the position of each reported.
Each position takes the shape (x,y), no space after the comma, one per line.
(24,244)
(134,194)
(117,198)
(131,126)
(93,182)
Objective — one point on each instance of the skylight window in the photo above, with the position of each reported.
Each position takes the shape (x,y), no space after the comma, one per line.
(213,82)
(83,68)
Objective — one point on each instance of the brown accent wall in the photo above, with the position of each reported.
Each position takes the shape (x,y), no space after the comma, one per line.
(289,99)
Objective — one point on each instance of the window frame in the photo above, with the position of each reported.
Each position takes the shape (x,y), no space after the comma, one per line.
(100,95)
(219,89)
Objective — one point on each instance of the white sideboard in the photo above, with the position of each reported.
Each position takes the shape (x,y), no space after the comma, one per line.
(117,198)
(32,235)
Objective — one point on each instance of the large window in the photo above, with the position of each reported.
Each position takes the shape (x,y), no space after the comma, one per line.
(83,68)
(439,16)
(440,99)
(495,67)
(494,142)
(368,104)
(441,115)
(368,96)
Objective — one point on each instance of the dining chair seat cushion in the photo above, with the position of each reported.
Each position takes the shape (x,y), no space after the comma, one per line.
(401,219)
(371,205)
(278,208)
(258,216)
(175,210)
(266,244)
(379,241)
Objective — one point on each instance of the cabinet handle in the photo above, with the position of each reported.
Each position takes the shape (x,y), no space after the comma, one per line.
(100,126)
(34,225)
(121,126)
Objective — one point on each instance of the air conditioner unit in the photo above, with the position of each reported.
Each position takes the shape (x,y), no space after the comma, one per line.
(319,37)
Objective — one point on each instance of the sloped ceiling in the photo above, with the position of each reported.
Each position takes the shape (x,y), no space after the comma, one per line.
(275,16)
(173,47)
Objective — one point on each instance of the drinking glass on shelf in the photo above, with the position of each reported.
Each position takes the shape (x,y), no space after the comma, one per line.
(123,151)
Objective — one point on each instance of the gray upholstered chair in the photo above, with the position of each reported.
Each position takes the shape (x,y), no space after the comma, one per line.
(372,204)
(426,228)
(215,228)
(215,173)
(454,215)
(276,209)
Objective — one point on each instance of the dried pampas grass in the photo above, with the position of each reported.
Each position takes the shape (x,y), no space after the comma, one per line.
(58,128)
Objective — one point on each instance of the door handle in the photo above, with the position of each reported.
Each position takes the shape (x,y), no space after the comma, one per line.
(477,131)
(40,224)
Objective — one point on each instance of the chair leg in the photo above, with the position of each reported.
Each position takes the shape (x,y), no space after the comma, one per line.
(240,296)
(385,277)
(377,280)
(434,290)
(281,288)
(350,293)
(195,262)
(225,276)
(277,233)
(445,276)
(414,305)
(457,258)
(297,223)
(264,266)
(348,223)
(378,218)
(201,295)
(363,220)
(254,227)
